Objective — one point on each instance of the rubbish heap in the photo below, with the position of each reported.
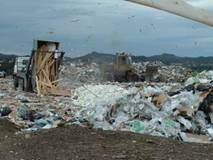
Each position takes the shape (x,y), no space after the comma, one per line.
(32,112)
(74,75)
(182,111)
(166,73)
(166,110)
(203,77)
(174,73)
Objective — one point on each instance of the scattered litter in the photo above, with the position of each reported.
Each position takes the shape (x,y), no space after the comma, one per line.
(178,110)
(25,113)
(4,111)
(2,95)
(193,138)
(22,98)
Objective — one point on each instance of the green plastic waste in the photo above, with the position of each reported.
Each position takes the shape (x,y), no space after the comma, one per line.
(194,74)
(138,126)
(169,123)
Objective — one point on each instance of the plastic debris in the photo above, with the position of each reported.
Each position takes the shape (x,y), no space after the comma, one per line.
(193,138)
(138,126)
(22,98)
(2,95)
(203,77)
(160,109)
(25,113)
(4,111)
(187,124)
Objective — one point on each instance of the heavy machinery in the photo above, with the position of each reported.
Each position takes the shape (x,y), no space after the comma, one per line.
(19,72)
(41,68)
(178,7)
(122,70)
(2,74)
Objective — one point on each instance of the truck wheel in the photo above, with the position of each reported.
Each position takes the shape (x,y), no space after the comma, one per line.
(16,83)
(23,88)
(21,84)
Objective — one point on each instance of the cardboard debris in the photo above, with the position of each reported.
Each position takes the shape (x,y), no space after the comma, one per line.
(159,100)
(194,138)
(186,112)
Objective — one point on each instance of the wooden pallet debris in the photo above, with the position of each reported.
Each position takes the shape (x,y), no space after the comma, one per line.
(47,73)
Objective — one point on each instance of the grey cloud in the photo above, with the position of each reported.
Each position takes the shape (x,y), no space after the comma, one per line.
(107,26)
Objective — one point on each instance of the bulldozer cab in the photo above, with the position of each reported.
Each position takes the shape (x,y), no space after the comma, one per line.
(123,69)
(123,60)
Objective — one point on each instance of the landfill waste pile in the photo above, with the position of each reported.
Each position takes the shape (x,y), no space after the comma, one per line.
(155,109)
(174,73)
(166,73)
(203,77)
(32,112)
(178,110)
(182,111)
(74,75)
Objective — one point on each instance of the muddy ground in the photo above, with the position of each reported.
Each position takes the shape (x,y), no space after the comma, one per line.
(76,143)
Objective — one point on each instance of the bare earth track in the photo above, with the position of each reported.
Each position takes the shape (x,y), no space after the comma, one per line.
(67,143)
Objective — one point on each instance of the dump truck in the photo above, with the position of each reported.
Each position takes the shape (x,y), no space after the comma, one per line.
(122,70)
(2,74)
(20,73)
(30,71)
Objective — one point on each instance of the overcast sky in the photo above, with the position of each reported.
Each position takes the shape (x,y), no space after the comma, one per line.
(107,26)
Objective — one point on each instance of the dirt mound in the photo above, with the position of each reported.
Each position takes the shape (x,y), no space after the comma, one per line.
(6,127)
(82,143)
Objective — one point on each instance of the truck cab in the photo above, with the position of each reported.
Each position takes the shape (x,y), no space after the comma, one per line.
(20,71)
(21,64)
(2,74)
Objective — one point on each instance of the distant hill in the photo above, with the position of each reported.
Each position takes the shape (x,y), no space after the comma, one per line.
(93,57)
(8,57)
(7,63)
(196,63)
(170,58)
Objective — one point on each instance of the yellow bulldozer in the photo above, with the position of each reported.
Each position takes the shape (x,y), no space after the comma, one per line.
(122,70)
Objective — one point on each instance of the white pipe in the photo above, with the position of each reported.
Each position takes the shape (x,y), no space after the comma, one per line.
(181,8)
